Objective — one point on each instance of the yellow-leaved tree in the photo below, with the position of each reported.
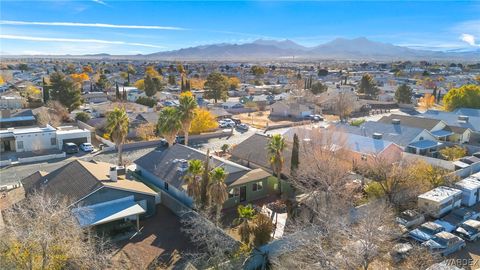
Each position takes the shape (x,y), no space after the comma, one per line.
(427,101)
(203,121)
(140,84)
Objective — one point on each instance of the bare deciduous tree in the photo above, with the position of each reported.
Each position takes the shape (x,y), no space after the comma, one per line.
(344,103)
(214,247)
(41,233)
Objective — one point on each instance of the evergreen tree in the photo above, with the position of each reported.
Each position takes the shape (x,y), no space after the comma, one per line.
(124,96)
(404,94)
(295,150)
(205,180)
(182,87)
(117,91)
(46,91)
(434,93)
(217,86)
(171,79)
(65,91)
(367,86)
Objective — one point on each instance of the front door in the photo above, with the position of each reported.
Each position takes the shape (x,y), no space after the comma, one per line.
(243,193)
(6,146)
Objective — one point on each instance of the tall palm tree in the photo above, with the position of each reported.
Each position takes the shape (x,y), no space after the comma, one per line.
(217,189)
(187,107)
(194,172)
(169,124)
(117,128)
(275,148)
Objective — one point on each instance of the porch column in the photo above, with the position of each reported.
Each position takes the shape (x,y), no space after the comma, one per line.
(138,223)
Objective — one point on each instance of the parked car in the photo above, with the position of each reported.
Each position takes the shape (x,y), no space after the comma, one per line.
(446,225)
(224,124)
(426,231)
(469,230)
(70,148)
(451,221)
(180,139)
(410,218)
(86,147)
(243,127)
(444,243)
(476,154)
(237,121)
(400,251)
(163,143)
(315,117)
(229,121)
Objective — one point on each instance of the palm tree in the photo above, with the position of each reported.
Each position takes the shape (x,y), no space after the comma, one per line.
(169,124)
(217,189)
(194,171)
(245,215)
(117,128)
(275,148)
(187,107)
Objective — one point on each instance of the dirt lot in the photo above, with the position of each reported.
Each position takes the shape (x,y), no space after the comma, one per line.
(260,119)
(159,246)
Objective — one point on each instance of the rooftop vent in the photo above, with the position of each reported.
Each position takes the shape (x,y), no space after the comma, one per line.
(182,165)
(377,136)
(463,118)
(396,121)
(113,174)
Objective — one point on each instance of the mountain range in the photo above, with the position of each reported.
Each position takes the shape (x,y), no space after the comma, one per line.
(340,48)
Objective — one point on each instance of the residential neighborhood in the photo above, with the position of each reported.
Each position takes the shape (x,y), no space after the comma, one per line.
(259,153)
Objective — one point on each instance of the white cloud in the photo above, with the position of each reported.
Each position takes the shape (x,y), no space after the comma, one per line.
(470,39)
(100,2)
(99,41)
(99,25)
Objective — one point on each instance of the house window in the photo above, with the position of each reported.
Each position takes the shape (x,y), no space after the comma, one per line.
(165,186)
(19,145)
(257,186)
(234,192)
(53,141)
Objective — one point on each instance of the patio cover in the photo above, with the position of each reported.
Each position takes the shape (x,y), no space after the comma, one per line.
(106,212)
(424,144)
(442,133)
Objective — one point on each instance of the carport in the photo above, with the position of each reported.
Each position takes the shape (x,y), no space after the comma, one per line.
(102,213)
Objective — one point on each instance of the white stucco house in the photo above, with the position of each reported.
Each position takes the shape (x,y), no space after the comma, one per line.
(40,138)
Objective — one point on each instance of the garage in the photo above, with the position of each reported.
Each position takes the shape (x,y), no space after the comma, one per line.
(72,135)
(76,141)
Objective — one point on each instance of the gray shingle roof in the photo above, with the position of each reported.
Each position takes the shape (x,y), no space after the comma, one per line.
(253,150)
(164,164)
(412,121)
(72,181)
(400,134)
(451,118)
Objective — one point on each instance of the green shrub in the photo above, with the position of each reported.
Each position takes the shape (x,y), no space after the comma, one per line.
(357,122)
(150,102)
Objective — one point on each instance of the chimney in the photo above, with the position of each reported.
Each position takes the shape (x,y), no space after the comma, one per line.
(396,121)
(377,136)
(113,174)
(463,118)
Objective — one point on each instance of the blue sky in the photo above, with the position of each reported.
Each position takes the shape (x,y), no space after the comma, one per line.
(132,27)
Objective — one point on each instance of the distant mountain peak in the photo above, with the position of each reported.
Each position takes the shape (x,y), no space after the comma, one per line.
(339,48)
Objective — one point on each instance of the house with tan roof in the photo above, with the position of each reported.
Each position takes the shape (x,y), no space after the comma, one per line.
(100,189)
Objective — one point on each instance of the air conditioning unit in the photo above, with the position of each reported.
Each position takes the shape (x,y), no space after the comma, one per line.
(182,165)
(113,174)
